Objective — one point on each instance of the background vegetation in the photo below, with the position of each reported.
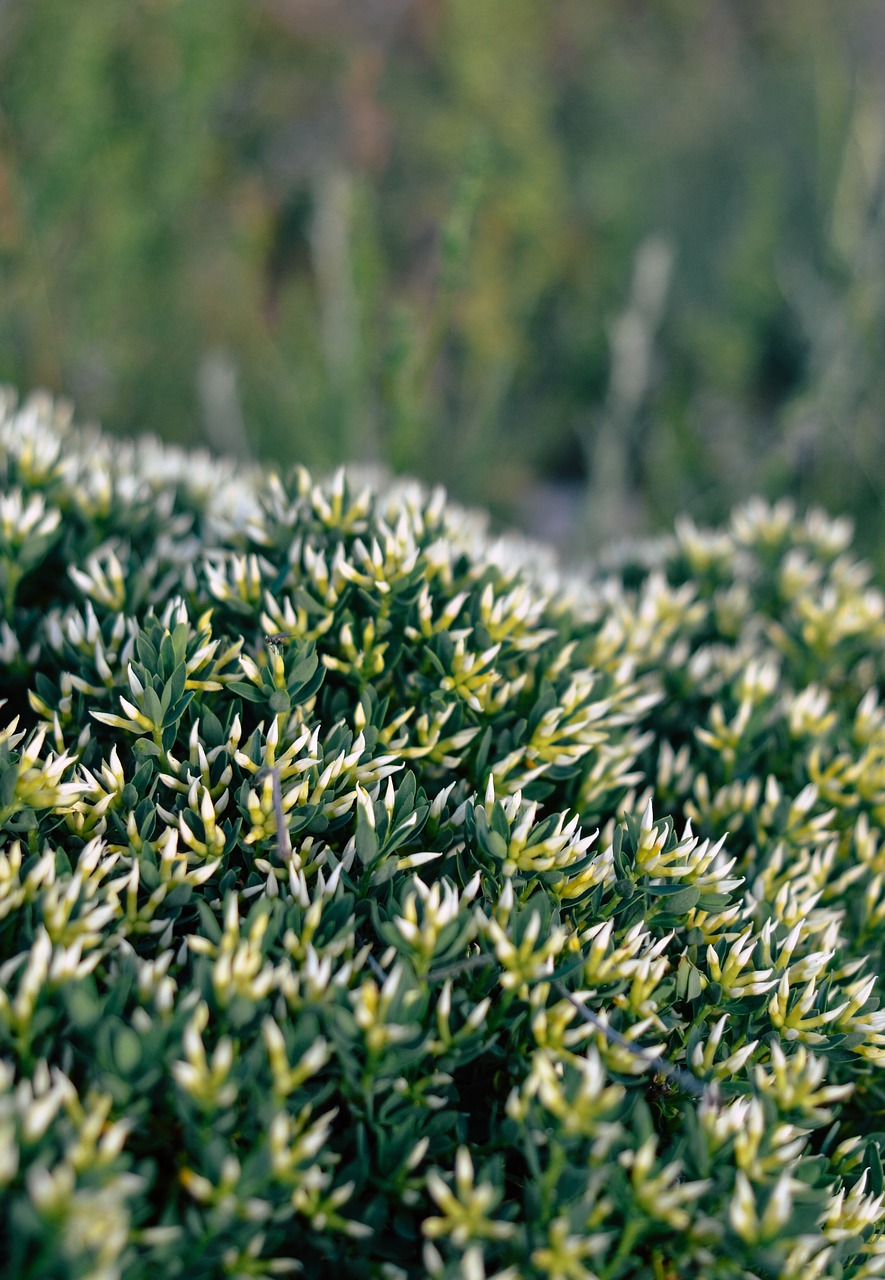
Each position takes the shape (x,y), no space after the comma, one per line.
(587,264)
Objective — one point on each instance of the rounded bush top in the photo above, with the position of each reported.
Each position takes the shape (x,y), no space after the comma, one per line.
(374,894)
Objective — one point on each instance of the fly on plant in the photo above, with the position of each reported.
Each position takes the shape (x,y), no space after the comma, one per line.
(278,641)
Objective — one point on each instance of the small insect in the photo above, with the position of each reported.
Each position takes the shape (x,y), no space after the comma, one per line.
(278,641)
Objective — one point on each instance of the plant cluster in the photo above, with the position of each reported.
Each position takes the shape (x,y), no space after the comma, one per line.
(373,895)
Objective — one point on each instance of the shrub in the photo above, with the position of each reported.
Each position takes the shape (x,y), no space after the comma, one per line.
(373,896)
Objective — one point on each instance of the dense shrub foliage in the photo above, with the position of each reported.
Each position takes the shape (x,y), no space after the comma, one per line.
(563,963)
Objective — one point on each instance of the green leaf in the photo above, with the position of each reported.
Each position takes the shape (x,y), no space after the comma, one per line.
(631,830)
(688,980)
(8,780)
(305,667)
(127,1049)
(177,709)
(499,821)
(618,856)
(545,702)
(82,1002)
(491,842)
(305,691)
(167,655)
(246,690)
(366,840)
(873,1159)
(175,684)
(152,706)
(714,902)
(210,926)
(483,751)
(147,654)
(666,890)
(180,637)
(177,897)
(677,904)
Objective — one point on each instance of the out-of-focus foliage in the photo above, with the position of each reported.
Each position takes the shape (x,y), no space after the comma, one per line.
(375,901)
(596,260)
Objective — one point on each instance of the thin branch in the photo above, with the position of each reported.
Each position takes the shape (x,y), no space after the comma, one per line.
(460,966)
(686,1080)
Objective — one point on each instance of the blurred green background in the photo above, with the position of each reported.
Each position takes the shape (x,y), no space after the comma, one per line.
(586,262)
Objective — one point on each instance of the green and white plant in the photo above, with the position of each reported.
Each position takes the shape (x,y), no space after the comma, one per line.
(374,896)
